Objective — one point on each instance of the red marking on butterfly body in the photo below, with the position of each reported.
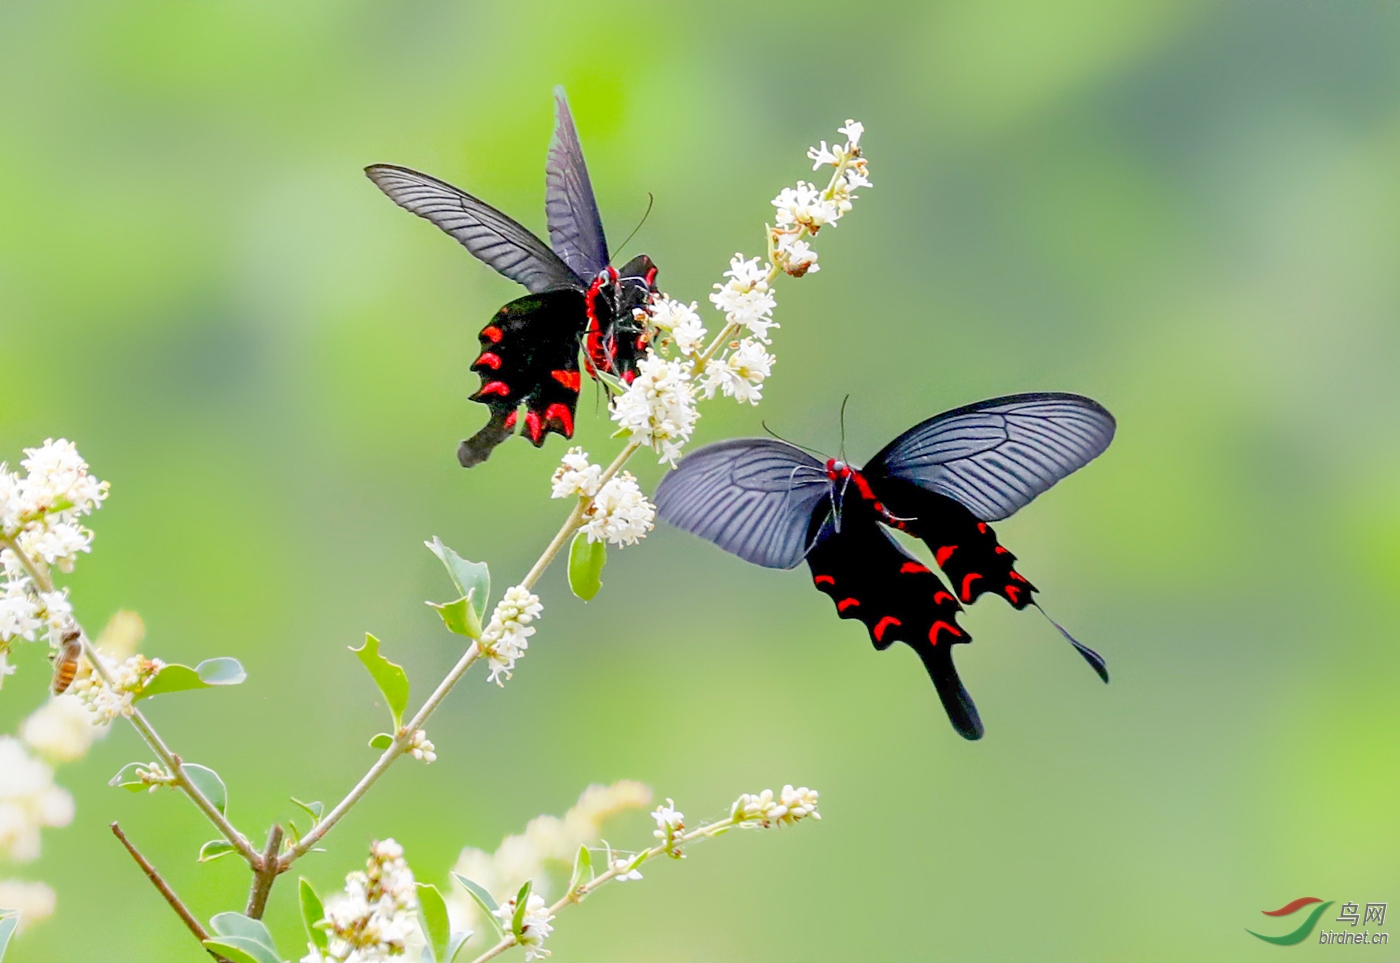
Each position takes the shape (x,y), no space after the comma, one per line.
(942,626)
(844,604)
(886,622)
(569,379)
(967,585)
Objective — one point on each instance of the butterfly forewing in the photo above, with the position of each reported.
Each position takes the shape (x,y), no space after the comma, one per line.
(575,229)
(491,236)
(995,456)
(752,497)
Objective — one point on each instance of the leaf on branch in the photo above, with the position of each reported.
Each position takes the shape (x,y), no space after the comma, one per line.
(312,912)
(181,678)
(215,848)
(460,616)
(391,678)
(484,900)
(245,927)
(583,866)
(455,945)
(432,914)
(312,809)
(586,561)
(207,781)
(381,740)
(9,919)
(517,923)
(238,949)
(126,777)
(473,579)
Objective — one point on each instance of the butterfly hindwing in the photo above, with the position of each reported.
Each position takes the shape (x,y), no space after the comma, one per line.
(575,229)
(529,356)
(995,456)
(754,497)
(897,598)
(497,240)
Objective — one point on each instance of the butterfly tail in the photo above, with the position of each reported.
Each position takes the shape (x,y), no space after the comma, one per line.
(962,713)
(479,446)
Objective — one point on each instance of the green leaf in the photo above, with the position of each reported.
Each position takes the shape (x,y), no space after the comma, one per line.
(473,579)
(484,900)
(215,848)
(312,809)
(390,678)
(455,945)
(312,912)
(208,782)
(9,919)
(242,927)
(126,777)
(239,949)
(460,617)
(517,923)
(583,866)
(586,561)
(181,678)
(381,740)
(432,914)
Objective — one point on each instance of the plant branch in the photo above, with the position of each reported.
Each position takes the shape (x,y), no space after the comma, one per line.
(181,910)
(265,874)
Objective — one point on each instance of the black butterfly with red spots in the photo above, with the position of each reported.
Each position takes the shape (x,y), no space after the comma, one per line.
(529,351)
(942,482)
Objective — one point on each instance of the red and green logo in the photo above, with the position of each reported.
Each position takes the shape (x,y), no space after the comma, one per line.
(1305,929)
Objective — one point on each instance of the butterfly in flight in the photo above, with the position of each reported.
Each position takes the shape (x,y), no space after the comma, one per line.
(529,351)
(942,482)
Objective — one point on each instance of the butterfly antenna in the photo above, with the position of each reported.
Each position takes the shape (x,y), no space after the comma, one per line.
(1096,661)
(651,199)
(813,451)
(843,426)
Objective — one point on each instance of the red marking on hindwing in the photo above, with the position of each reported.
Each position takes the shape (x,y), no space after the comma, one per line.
(1012,594)
(1001,550)
(824,580)
(492,333)
(488,360)
(943,554)
(510,420)
(560,413)
(880,626)
(651,278)
(629,376)
(844,604)
(942,626)
(569,379)
(910,568)
(1016,575)
(967,585)
(495,388)
(982,527)
(939,596)
(533,427)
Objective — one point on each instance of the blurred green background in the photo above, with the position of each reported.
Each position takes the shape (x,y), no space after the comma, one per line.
(1188,211)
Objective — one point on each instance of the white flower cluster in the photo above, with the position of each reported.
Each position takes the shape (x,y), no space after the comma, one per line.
(39,517)
(154,775)
(421,748)
(764,810)
(804,210)
(739,373)
(377,914)
(669,823)
(29,801)
(60,730)
(617,512)
(505,637)
(534,927)
(681,322)
(658,408)
(106,702)
(746,298)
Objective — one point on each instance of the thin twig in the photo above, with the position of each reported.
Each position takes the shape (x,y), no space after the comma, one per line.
(181,910)
(265,875)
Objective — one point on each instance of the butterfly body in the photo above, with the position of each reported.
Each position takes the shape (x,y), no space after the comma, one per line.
(529,350)
(941,482)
